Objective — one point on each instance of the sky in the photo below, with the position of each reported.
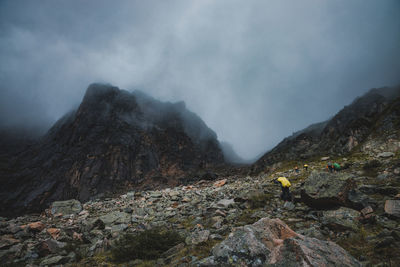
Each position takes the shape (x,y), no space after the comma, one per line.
(255,71)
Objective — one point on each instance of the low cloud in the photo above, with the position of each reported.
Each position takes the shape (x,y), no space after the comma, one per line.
(254,71)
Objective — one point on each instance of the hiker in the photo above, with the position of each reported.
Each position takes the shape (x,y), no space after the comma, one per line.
(305,166)
(285,184)
(329,167)
(296,169)
(336,167)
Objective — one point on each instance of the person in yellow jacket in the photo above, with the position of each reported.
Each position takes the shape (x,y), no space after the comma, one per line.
(285,184)
(305,166)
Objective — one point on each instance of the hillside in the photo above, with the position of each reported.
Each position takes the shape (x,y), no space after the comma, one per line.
(374,114)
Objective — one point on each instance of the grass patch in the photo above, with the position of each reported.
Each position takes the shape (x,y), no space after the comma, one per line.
(199,251)
(147,245)
(245,218)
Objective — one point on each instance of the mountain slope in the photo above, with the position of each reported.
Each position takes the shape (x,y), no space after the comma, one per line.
(348,129)
(115,140)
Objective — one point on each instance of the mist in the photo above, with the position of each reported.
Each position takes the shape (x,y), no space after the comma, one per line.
(254,71)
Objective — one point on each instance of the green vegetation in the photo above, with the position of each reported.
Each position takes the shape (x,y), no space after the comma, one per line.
(200,251)
(146,245)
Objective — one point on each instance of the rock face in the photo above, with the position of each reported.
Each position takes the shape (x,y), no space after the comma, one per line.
(114,141)
(271,242)
(327,190)
(372,117)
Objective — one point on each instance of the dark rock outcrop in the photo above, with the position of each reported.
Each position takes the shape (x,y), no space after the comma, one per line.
(114,141)
(374,115)
(326,190)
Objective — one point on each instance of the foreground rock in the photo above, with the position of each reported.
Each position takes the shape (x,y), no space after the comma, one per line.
(271,241)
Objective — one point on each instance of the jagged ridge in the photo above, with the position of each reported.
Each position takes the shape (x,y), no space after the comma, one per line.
(114,141)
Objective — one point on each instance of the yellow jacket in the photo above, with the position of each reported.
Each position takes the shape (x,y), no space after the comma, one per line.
(285,182)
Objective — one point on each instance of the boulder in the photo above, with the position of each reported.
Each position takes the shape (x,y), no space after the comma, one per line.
(198,237)
(324,190)
(270,242)
(385,154)
(341,219)
(36,226)
(225,203)
(66,207)
(392,207)
(116,217)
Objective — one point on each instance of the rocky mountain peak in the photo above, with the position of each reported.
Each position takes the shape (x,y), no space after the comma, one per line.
(115,140)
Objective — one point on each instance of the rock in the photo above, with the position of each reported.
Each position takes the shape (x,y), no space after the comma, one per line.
(392,207)
(385,154)
(325,158)
(386,242)
(98,224)
(128,210)
(7,241)
(54,260)
(357,200)
(225,203)
(54,232)
(198,237)
(271,242)
(289,205)
(116,217)
(367,215)
(66,207)
(324,190)
(341,219)
(220,183)
(36,226)
(155,194)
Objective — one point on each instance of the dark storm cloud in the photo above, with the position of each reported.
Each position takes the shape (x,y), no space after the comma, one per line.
(255,71)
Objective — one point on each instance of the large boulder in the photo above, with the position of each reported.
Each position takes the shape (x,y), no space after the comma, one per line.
(324,190)
(66,207)
(270,242)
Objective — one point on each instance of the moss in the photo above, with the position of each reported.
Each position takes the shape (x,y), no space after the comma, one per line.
(147,245)
(188,223)
(259,200)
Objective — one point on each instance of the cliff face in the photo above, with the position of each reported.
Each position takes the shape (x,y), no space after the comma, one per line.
(376,114)
(114,141)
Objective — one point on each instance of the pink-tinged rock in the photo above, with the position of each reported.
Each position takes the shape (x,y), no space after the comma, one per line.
(366,211)
(77,236)
(36,226)
(220,183)
(392,207)
(54,232)
(271,242)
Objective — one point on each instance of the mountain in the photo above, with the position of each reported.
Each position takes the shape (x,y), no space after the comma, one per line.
(114,141)
(373,115)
